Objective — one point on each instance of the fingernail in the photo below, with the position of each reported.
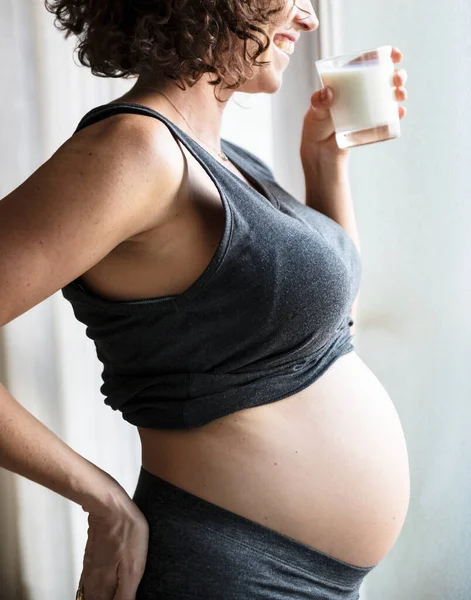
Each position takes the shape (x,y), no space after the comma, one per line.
(323,94)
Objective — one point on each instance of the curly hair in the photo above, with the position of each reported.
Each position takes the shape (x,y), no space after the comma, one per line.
(176,39)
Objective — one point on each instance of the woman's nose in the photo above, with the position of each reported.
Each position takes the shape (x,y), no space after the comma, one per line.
(305,16)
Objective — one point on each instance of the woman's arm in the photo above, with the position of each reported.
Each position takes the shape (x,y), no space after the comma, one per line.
(30,449)
(328,191)
(325,164)
(105,185)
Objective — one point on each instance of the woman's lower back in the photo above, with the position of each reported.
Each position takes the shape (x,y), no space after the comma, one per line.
(327,467)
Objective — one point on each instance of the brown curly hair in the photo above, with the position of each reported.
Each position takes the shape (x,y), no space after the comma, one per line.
(176,39)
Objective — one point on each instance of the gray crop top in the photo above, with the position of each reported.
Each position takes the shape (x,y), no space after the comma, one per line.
(268,316)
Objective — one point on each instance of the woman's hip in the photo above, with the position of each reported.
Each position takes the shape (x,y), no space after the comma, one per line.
(201,551)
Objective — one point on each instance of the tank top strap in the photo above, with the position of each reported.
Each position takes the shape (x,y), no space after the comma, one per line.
(213,168)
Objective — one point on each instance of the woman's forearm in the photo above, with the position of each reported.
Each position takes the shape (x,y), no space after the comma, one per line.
(30,449)
(328,191)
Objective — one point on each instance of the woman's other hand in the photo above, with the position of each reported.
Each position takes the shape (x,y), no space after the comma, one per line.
(318,137)
(116,551)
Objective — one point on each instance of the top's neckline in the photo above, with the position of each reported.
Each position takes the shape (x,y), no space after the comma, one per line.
(266,194)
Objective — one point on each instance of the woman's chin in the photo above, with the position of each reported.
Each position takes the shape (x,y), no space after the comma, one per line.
(268,83)
(274,84)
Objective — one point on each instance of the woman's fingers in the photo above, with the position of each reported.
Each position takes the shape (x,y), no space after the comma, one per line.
(130,574)
(401,94)
(127,589)
(320,105)
(321,102)
(396,55)
(115,553)
(98,575)
(99,585)
(400,77)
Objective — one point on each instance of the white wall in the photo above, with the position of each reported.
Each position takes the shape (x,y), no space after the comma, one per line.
(414,212)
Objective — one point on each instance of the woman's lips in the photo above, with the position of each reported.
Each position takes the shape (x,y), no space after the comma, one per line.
(286,41)
(291,36)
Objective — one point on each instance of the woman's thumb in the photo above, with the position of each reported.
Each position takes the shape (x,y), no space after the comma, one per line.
(321,102)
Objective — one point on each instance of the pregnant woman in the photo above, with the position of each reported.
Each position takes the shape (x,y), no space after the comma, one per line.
(274,464)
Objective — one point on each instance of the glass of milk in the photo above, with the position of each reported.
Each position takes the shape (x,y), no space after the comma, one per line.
(365,109)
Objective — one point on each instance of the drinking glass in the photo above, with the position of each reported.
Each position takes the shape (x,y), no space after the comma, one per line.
(365,109)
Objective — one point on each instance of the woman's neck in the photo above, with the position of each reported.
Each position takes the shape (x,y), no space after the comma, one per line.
(195,110)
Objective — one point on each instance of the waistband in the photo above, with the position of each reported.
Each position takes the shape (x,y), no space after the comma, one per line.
(152,490)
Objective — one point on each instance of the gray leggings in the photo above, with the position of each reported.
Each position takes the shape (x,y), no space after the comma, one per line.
(201,551)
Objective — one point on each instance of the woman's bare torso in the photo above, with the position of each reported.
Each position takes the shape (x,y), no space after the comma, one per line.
(327,466)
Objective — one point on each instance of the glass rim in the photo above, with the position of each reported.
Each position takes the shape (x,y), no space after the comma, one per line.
(351,55)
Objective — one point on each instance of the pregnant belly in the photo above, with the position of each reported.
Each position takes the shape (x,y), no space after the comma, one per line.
(327,466)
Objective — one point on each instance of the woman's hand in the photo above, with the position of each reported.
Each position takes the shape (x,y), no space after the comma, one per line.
(116,551)
(318,137)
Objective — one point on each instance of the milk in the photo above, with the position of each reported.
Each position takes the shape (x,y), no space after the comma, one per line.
(364,96)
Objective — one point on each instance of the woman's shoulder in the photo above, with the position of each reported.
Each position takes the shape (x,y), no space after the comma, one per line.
(104,185)
(129,132)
